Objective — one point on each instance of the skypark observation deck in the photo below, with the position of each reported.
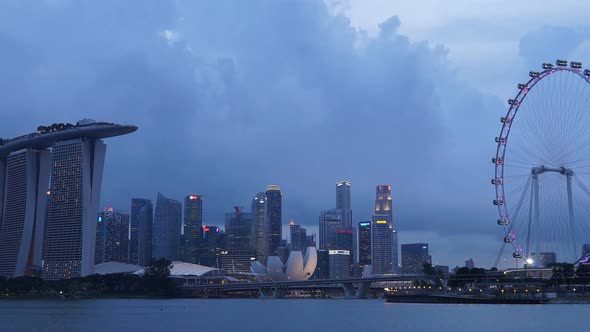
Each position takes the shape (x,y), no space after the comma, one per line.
(47,137)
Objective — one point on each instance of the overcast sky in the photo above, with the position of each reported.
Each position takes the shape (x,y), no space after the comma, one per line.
(231,96)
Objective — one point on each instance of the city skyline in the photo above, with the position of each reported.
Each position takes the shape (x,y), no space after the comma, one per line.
(403,104)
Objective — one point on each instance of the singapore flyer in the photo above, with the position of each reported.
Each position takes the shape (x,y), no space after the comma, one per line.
(542,167)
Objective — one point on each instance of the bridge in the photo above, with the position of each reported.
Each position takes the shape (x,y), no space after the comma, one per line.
(352,287)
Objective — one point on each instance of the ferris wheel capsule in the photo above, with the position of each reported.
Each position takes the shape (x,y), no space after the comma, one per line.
(576,65)
(561,63)
(547,66)
(534,74)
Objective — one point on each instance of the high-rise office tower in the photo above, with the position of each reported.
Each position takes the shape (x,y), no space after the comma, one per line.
(100,237)
(330,223)
(343,202)
(141,236)
(381,243)
(112,236)
(364,244)
(211,246)
(258,211)
(241,250)
(345,241)
(384,253)
(167,228)
(25,175)
(414,256)
(193,227)
(239,229)
(74,168)
(298,235)
(274,203)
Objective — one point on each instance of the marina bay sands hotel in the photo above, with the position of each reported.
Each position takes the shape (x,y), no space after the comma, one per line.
(49,194)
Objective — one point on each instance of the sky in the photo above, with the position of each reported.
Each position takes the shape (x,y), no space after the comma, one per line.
(230,96)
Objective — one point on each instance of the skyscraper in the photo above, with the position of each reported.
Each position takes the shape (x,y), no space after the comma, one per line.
(258,211)
(274,201)
(364,235)
(239,229)
(22,230)
(344,203)
(330,223)
(241,250)
(414,256)
(76,176)
(141,237)
(167,228)
(384,253)
(74,168)
(298,235)
(112,236)
(211,246)
(193,227)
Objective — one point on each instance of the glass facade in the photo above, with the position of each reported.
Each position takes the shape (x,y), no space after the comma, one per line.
(140,238)
(193,227)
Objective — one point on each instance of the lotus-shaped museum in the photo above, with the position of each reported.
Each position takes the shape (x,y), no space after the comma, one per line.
(297,267)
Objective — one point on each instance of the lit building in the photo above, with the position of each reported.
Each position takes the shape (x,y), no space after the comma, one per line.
(384,253)
(26,176)
(112,237)
(343,202)
(330,223)
(193,227)
(167,228)
(141,235)
(212,245)
(74,170)
(345,241)
(261,231)
(364,244)
(414,256)
(240,233)
(339,264)
(274,203)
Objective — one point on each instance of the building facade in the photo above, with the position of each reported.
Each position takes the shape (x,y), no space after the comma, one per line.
(274,213)
(330,223)
(76,176)
(258,210)
(384,252)
(344,203)
(112,237)
(142,230)
(339,264)
(364,244)
(193,227)
(167,228)
(25,180)
(414,256)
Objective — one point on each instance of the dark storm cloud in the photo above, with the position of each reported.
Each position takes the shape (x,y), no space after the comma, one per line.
(231,96)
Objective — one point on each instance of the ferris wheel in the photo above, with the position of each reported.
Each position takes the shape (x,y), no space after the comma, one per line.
(542,167)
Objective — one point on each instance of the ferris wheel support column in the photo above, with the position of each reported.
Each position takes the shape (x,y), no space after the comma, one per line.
(537,218)
(569,173)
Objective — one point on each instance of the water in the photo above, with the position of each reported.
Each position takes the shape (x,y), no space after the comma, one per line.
(287,315)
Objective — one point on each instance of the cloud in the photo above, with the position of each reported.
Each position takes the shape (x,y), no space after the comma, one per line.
(232,96)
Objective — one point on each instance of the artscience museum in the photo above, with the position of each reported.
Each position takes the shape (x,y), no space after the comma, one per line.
(297,267)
